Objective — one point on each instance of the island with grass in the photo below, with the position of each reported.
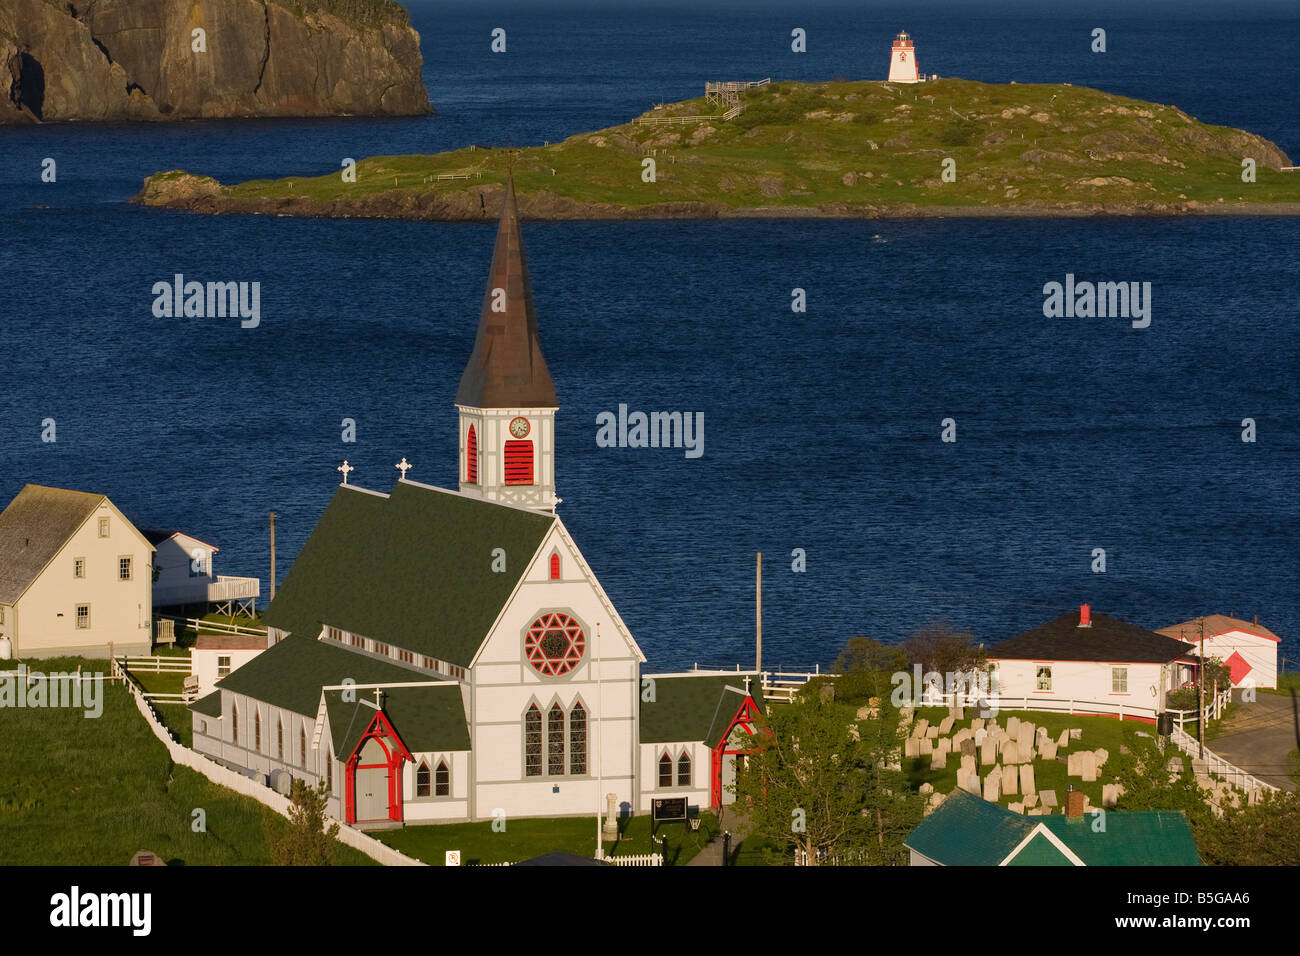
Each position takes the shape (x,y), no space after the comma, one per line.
(948,147)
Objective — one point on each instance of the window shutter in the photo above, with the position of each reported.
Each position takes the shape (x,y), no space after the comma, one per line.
(519,463)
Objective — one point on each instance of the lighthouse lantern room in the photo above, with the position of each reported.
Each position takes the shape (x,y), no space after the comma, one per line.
(902,61)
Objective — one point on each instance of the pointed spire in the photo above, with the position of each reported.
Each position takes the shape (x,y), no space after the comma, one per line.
(506,368)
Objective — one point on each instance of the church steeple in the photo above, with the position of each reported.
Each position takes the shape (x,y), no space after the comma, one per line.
(506,397)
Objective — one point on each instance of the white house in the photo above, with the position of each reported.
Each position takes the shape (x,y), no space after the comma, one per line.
(216,656)
(186,575)
(1249,649)
(75,577)
(1091,663)
(443,655)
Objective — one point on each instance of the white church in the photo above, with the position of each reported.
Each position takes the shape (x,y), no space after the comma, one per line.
(442,655)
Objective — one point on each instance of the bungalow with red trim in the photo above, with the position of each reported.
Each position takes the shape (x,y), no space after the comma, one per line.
(1247,647)
(1086,663)
(442,655)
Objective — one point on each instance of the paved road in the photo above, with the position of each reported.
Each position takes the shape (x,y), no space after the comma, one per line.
(711,855)
(1257,737)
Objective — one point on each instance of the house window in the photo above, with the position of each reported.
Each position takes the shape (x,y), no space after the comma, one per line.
(471,457)
(103,527)
(124,569)
(83,616)
(578,740)
(684,770)
(1119,680)
(1044,678)
(519,463)
(78,567)
(533,741)
(555,741)
(223,667)
(555,567)
(279,739)
(302,743)
(234,723)
(381,648)
(422,786)
(257,731)
(665,771)
(442,780)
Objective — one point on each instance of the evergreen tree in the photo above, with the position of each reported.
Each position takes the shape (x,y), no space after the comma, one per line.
(308,841)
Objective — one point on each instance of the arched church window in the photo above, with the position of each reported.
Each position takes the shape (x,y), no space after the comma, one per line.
(555,741)
(533,741)
(555,567)
(684,770)
(442,780)
(422,780)
(665,771)
(519,463)
(471,457)
(578,740)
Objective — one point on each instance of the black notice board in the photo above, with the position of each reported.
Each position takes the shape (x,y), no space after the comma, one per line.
(668,809)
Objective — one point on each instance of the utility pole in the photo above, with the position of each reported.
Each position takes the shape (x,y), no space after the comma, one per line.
(758,618)
(1200,694)
(272,555)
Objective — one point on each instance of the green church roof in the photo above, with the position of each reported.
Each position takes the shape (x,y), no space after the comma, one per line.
(290,674)
(428,719)
(967,831)
(693,708)
(1131,838)
(412,569)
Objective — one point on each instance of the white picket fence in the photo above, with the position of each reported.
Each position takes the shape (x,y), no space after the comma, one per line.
(644,859)
(233,780)
(1216,765)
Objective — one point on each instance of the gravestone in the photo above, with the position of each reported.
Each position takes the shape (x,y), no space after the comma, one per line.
(921,727)
(1016,807)
(926,787)
(1027,779)
(1064,740)
(1025,737)
(939,760)
(1110,793)
(1049,799)
(945,726)
(969,782)
(988,753)
(981,735)
(937,798)
(959,737)
(1047,751)
(993,785)
(943,744)
(1031,800)
(1102,756)
(1010,780)
(957,713)
(911,747)
(968,747)
(1010,752)
(1072,764)
(967,763)
(977,724)
(1035,812)
(927,746)
(932,733)
(1076,733)
(1013,725)
(1088,766)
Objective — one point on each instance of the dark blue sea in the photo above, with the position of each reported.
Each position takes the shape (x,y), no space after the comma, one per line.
(822,429)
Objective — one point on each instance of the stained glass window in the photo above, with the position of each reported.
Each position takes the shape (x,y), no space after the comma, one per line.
(554,644)
(533,742)
(422,780)
(578,740)
(684,770)
(555,741)
(442,778)
(665,771)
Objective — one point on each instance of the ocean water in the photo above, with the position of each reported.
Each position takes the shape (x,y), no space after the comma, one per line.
(822,429)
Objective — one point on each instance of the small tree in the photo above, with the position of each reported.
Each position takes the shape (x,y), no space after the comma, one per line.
(308,841)
(940,648)
(864,654)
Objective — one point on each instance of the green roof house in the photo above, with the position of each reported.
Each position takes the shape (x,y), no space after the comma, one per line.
(967,831)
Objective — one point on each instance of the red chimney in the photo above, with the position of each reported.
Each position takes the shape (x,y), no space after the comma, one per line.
(1085,616)
(1074,803)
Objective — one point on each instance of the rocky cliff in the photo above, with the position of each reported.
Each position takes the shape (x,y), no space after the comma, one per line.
(180,59)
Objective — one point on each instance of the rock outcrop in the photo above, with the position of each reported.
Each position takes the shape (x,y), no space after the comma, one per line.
(180,59)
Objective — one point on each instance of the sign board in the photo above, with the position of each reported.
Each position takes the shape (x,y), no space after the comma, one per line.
(668,810)
(453,858)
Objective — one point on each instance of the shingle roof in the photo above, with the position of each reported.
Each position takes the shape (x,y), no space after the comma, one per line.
(209,705)
(158,536)
(1108,639)
(693,708)
(967,831)
(428,719)
(1215,624)
(37,523)
(291,673)
(229,642)
(413,569)
(1131,838)
(506,368)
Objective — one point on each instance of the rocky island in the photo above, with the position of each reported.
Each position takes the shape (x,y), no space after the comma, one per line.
(114,60)
(844,149)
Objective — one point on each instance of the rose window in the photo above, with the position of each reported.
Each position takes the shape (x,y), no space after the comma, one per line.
(554,644)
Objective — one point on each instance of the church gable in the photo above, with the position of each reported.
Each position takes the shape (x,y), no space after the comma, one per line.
(422,569)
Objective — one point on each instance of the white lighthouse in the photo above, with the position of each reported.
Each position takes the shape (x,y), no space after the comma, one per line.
(902,61)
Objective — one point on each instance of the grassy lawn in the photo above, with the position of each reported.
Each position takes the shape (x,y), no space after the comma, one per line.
(91,792)
(1286,685)
(524,839)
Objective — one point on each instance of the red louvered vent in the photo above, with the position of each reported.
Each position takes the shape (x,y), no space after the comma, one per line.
(471,457)
(519,463)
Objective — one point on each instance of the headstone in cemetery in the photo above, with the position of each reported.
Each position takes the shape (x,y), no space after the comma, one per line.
(1049,799)
(1010,780)
(1027,779)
